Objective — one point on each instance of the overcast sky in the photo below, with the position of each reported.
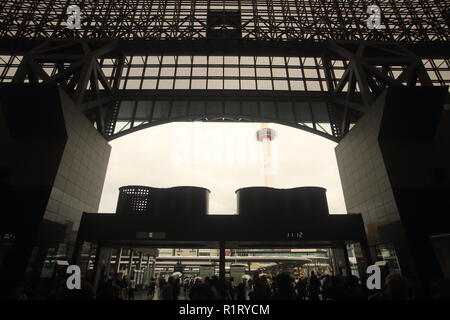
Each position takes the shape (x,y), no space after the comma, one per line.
(222,157)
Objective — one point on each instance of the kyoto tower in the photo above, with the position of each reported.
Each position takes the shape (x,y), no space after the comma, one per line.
(266,135)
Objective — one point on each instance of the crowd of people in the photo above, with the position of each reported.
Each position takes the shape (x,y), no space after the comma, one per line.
(117,287)
(282,287)
(258,287)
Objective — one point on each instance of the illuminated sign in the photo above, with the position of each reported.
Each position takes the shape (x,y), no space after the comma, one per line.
(295,235)
(150,235)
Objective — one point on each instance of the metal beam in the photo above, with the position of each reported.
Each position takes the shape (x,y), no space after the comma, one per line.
(431,50)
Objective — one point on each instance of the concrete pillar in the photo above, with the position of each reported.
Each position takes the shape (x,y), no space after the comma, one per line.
(139,268)
(346,259)
(101,255)
(130,263)
(332,261)
(401,155)
(41,178)
(108,261)
(222,260)
(148,268)
(341,260)
(152,273)
(366,251)
(76,253)
(141,255)
(118,259)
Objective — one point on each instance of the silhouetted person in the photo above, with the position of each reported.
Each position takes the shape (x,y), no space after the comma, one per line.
(116,290)
(285,287)
(301,288)
(124,286)
(161,282)
(219,288)
(337,288)
(108,291)
(261,288)
(131,288)
(355,289)
(186,286)
(176,285)
(250,290)
(151,288)
(166,291)
(214,294)
(326,287)
(200,291)
(162,285)
(194,292)
(229,289)
(104,289)
(313,287)
(241,290)
(396,288)
(366,291)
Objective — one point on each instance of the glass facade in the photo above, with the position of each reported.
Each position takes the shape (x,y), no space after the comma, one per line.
(386,252)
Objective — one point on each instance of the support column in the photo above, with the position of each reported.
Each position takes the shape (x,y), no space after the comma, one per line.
(118,259)
(363,256)
(101,255)
(76,252)
(147,269)
(152,273)
(332,261)
(341,259)
(108,261)
(366,251)
(96,264)
(222,260)
(402,192)
(130,263)
(139,281)
(346,259)
(47,148)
